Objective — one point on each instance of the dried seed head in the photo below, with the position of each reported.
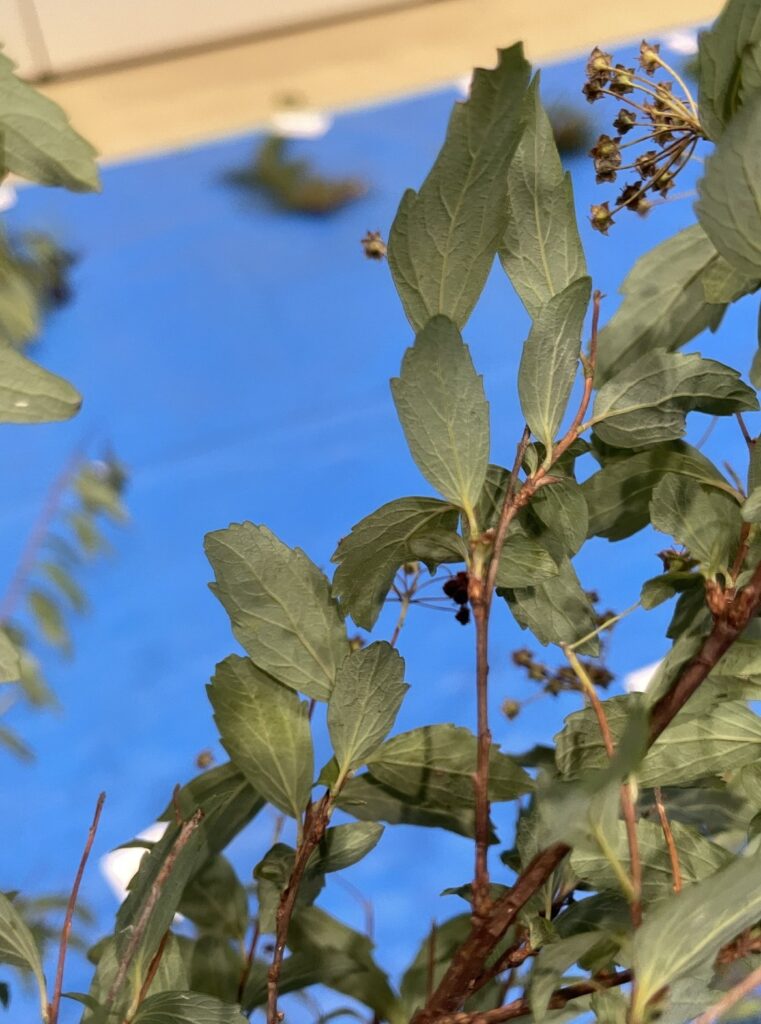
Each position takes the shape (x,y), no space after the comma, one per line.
(646,163)
(374,246)
(599,65)
(648,57)
(663,183)
(523,658)
(511,709)
(625,121)
(593,91)
(622,81)
(601,218)
(630,196)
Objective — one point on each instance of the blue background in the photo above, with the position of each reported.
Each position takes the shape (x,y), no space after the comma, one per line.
(237,358)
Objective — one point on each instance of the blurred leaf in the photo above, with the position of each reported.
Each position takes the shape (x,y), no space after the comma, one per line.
(66,583)
(550,360)
(556,611)
(265,728)
(49,618)
(280,607)
(215,968)
(363,706)
(369,557)
(38,142)
(444,237)
(705,520)
(541,250)
(17,947)
(441,404)
(728,206)
(186,1008)
(29,394)
(10,666)
(215,900)
(729,64)
(687,930)
(550,966)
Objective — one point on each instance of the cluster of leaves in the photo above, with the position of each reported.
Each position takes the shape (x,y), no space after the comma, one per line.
(43,589)
(631,889)
(294,184)
(34,278)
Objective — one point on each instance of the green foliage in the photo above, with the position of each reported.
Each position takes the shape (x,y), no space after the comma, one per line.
(17,946)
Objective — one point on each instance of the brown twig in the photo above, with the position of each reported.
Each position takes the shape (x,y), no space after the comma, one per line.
(668,836)
(138,929)
(749,440)
(315,823)
(55,1002)
(36,538)
(430,979)
(255,935)
(521,1007)
(728,1000)
(153,968)
(406,599)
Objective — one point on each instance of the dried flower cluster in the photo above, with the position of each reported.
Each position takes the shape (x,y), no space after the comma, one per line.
(664,109)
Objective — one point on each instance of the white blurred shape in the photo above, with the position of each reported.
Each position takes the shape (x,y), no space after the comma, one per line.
(639,680)
(8,197)
(119,866)
(462,84)
(685,42)
(300,124)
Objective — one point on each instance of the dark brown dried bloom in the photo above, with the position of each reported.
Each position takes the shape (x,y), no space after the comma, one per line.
(631,196)
(663,183)
(625,121)
(607,157)
(598,65)
(622,81)
(592,91)
(647,163)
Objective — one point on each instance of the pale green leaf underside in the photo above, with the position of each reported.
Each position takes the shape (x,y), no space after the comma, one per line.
(186,1008)
(30,394)
(729,63)
(17,945)
(364,704)
(444,413)
(369,557)
(541,250)
(265,729)
(38,142)
(10,666)
(444,237)
(705,520)
(280,607)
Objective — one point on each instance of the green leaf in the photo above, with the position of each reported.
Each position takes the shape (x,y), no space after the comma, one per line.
(559,517)
(215,968)
(186,1008)
(10,666)
(618,496)
(730,64)
(313,932)
(364,797)
(273,873)
(524,560)
(18,948)
(664,302)
(49,618)
(718,739)
(215,900)
(280,607)
(437,762)
(706,521)
(556,611)
(368,558)
(687,930)
(698,858)
(330,967)
(344,845)
(541,250)
(444,237)
(729,203)
(647,401)
(550,360)
(442,407)
(29,394)
(751,507)
(723,284)
(265,729)
(550,966)
(38,142)
(364,704)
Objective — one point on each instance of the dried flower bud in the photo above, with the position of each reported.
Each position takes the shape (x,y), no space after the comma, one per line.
(537,672)
(205,760)
(592,91)
(648,57)
(463,616)
(664,96)
(601,218)
(676,561)
(647,163)
(630,196)
(607,157)
(599,64)
(622,81)
(356,643)
(523,658)
(511,709)
(374,246)
(625,121)
(663,183)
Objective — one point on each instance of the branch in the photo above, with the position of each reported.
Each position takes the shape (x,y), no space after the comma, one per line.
(141,924)
(521,1007)
(668,836)
(316,822)
(55,1002)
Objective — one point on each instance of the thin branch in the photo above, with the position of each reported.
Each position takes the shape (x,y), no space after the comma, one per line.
(750,441)
(315,823)
(153,968)
(431,966)
(55,1002)
(733,996)
(607,624)
(138,929)
(36,538)
(406,599)
(522,1008)
(255,936)
(668,835)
